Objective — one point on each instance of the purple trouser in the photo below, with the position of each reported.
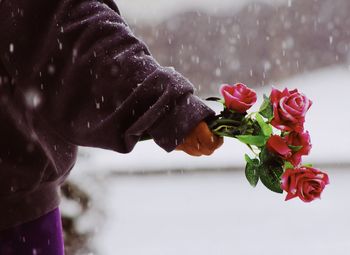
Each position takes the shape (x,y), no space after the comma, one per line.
(39,237)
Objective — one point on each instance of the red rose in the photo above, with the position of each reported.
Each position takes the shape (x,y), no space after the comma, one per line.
(299,140)
(289,109)
(238,97)
(281,146)
(307,183)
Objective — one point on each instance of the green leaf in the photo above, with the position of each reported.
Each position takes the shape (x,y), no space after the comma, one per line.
(270,176)
(270,170)
(247,158)
(266,128)
(254,161)
(252,140)
(251,170)
(295,148)
(265,155)
(266,109)
(288,165)
(308,165)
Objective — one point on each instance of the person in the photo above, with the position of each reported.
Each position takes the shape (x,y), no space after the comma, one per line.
(73,74)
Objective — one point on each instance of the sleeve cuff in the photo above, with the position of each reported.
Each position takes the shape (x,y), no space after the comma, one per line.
(179,121)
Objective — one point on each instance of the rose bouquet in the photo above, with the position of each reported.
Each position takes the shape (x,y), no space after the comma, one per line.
(275,135)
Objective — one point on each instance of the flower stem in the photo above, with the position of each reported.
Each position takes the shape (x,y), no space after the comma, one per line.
(250,147)
(221,122)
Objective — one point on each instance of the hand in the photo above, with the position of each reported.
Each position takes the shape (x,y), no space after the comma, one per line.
(201,141)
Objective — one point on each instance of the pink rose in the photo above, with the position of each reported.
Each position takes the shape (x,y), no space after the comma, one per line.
(289,109)
(307,183)
(281,146)
(238,97)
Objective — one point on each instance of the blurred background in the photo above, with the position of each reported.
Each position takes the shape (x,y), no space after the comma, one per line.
(153,203)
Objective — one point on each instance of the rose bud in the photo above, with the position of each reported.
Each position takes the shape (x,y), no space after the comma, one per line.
(301,140)
(282,146)
(277,145)
(307,183)
(238,97)
(289,109)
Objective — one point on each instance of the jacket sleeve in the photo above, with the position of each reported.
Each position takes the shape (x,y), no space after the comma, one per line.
(77,66)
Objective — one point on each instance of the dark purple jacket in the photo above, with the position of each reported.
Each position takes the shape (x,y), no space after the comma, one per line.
(73,74)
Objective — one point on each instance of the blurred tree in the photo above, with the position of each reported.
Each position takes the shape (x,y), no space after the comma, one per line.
(259,44)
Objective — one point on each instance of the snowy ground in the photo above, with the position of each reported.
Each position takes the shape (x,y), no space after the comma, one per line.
(217,212)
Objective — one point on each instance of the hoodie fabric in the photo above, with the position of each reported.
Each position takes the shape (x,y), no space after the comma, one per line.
(73,74)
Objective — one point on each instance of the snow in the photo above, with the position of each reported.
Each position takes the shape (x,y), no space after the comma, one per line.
(217,212)
(153,11)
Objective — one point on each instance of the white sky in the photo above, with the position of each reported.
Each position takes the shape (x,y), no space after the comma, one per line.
(157,10)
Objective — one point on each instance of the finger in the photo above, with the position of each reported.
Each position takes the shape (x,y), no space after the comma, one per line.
(206,138)
(192,141)
(187,148)
(204,149)
(201,141)
(185,143)
(220,142)
(217,141)
(179,147)
(207,152)
(192,151)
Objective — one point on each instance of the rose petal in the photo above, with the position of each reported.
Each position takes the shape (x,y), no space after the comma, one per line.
(285,114)
(278,145)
